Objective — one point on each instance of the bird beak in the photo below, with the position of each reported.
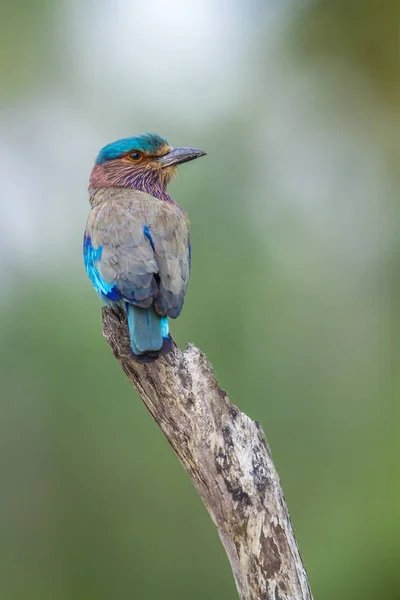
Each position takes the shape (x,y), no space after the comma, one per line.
(177,156)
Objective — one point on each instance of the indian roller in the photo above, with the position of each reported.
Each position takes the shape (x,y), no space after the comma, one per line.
(137,245)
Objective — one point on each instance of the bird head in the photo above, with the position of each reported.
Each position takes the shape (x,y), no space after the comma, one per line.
(145,162)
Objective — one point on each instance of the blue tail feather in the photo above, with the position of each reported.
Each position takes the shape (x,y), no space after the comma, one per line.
(149,333)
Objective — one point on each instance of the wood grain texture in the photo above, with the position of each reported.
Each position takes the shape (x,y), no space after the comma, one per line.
(227,457)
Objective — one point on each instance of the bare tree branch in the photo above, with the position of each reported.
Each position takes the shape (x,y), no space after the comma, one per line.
(227,457)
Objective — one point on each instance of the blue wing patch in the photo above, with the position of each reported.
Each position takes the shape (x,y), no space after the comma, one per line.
(91,255)
(147,233)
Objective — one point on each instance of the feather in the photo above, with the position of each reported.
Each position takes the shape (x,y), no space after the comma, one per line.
(144,252)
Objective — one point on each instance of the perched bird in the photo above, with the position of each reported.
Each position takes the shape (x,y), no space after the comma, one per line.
(136,245)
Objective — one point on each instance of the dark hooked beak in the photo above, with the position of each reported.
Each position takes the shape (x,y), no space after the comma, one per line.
(177,156)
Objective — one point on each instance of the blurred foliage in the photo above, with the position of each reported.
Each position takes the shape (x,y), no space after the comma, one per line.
(26,34)
(365,32)
(293,297)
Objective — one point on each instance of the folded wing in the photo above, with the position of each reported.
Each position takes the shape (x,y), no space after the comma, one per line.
(137,250)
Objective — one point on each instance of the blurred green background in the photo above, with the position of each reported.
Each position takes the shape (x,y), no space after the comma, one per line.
(294,294)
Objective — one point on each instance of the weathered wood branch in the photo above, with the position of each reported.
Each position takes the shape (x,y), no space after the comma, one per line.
(227,457)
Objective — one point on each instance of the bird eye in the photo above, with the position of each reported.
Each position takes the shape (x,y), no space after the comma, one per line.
(135,155)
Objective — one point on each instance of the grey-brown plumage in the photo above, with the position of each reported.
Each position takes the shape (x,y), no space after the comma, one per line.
(145,247)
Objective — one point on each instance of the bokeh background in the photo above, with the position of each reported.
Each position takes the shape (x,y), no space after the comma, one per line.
(294,294)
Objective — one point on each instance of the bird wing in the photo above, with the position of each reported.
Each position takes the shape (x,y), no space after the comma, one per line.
(169,230)
(137,249)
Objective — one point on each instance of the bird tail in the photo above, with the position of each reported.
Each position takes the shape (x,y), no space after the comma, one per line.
(149,333)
